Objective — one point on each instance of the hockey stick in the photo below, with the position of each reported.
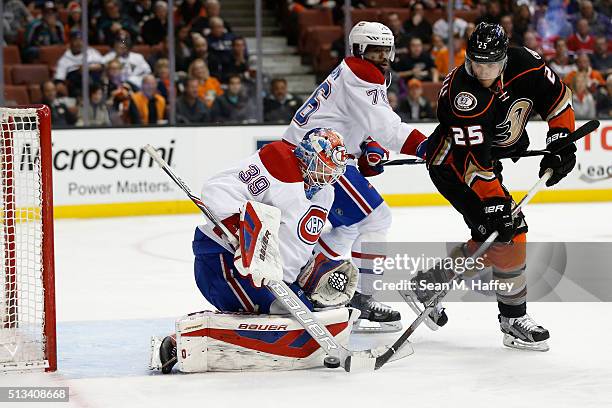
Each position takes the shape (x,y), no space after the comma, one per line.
(337,355)
(401,341)
(576,135)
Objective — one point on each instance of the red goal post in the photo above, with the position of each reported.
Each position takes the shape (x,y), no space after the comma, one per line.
(27,280)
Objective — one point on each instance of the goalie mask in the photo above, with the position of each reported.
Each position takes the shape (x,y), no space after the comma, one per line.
(322,157)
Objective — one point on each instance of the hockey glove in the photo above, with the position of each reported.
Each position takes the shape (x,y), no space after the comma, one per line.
(561,162)
(328,283)
(498,215)
(372,153)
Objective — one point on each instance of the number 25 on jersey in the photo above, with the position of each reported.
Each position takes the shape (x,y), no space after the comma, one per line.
(472,135)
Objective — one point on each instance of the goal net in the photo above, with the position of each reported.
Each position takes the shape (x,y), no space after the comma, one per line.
(27,293)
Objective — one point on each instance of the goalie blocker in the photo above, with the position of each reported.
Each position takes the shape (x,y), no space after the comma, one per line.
(220,341)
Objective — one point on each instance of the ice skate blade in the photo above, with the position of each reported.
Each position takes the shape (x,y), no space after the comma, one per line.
(366,326)
(515,343)
(417,308)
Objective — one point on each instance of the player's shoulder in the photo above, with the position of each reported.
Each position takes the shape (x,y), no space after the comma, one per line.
(280,162)
(364,70)
(522,61)
(463,96)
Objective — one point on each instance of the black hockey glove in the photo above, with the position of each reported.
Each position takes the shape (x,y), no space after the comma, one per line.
(498,214)
(561,162)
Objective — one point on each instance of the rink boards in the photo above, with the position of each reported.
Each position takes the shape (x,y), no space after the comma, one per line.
(105,172)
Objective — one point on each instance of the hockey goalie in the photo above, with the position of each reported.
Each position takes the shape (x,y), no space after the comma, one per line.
(276,204)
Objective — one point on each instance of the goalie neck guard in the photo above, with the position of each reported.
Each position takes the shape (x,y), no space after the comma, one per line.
(322,158)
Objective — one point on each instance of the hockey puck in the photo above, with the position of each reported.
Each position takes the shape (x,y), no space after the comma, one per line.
(331,362)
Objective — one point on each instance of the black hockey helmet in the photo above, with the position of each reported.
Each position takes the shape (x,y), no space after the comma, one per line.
(488,43)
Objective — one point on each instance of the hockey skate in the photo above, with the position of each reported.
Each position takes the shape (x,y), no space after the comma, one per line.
(167,354)
(420,296)
(523,333)
(375,317)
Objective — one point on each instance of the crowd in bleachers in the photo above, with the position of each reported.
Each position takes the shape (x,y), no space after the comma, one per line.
(128,63)
(130,72)
(573,36)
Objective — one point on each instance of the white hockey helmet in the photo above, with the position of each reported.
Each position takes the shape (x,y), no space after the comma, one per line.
(370,33)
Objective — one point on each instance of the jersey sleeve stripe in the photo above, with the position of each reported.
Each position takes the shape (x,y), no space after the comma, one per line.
(521,74)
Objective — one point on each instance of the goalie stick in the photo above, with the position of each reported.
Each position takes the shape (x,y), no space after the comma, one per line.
(399,343)
(337,355)
(576,135)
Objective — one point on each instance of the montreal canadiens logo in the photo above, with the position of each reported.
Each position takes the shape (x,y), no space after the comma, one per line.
(465,101)
(311,224)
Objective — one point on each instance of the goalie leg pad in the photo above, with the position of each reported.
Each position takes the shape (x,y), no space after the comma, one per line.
(216,341)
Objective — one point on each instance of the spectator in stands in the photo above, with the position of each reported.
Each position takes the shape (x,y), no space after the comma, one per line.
(394,103)
(68,71)
(280,105)
(189,10)
(442,57)
(162,73)
(415,106)
(155,29)
(60,114)
(112,24)
(16,16)
(182,49)
(493,14)
(508,26)
(417,25)
(583,65)
(417,64)
(531,41)
(440,27)
(45,31)
(601,59)
(238,63)
(599,23)
(250,79)
(150,105)
(581,40)
(98,114)
(140,10)
(603,99)
(582,100)
(209,88)
(73,20)
(133,65)
(189,107)
(200,50)
(522,22)
(219,40)
(201,25)
(401,39)
(117,94)
(562,63)
(234,105)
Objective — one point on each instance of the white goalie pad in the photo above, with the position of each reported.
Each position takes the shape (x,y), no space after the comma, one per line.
(216,341)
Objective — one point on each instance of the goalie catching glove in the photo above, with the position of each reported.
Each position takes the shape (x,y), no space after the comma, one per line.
(258,255)
(328,283)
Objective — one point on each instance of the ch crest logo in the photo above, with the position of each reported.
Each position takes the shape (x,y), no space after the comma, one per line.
(311,224)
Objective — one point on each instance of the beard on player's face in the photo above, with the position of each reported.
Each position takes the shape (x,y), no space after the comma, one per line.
(379,56)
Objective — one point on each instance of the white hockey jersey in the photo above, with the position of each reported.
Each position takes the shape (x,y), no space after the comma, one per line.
(353,101)
(272,176)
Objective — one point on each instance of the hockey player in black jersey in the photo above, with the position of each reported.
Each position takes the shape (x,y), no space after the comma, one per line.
(483,108)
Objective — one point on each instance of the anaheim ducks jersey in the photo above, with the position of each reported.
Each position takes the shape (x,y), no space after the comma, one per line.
(478,125)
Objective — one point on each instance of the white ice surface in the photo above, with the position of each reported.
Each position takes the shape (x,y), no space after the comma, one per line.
(121,280)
